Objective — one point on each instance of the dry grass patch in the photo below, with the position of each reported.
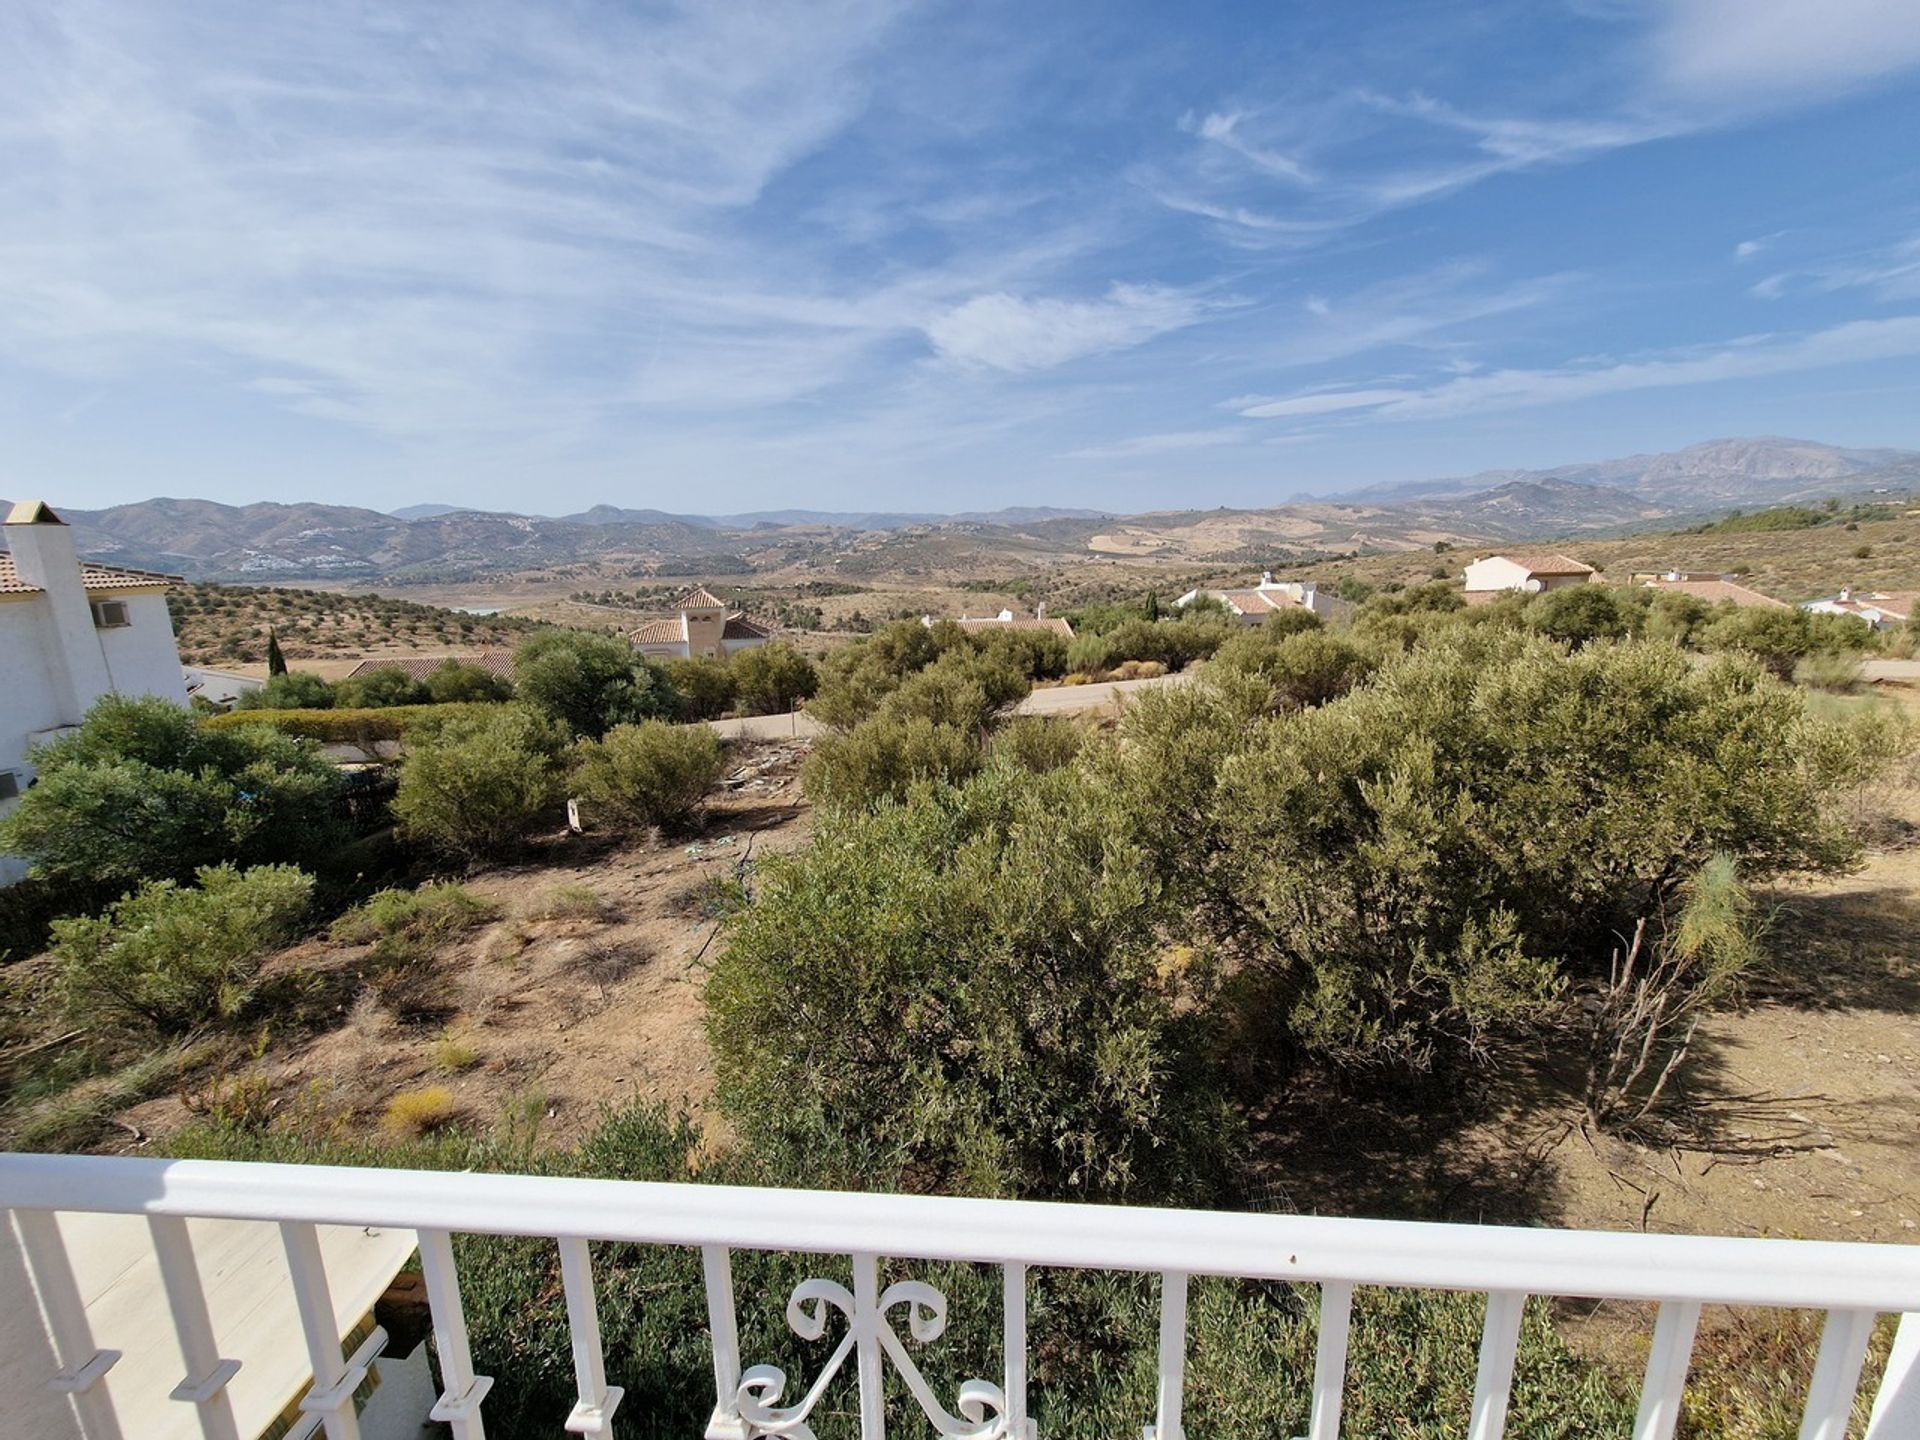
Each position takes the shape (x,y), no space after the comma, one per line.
(570,902)
(413,1113)
(454,1053)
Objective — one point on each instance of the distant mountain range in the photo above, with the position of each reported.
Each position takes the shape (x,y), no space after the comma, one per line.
(306,541)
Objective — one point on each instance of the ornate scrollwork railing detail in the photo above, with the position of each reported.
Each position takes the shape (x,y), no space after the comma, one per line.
(982,1404)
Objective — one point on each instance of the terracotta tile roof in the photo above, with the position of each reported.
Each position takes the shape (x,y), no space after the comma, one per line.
(119,577)
(10,581)
(94,577)
(742,627)
(494,662)
(658,632)
(1550,565)
(1714,591)
(1019,622)
(699,598)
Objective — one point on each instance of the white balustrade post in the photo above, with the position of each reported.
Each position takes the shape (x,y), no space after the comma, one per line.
(1014,1307)
(717,1265)
(1666,1379)
(334,1380)
(205,1384)
(1836,1374)
(593,1412)
(1330,1359)
(866,1343)
(82,1363)
(459,1402)
(1173,1358)
(1896,1405)
(1494,1381)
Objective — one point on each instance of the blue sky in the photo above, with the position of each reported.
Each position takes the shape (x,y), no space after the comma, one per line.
(880,255)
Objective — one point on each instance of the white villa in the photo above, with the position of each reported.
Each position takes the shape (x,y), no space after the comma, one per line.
(1882,609)
(70,632)
(704,627)
(1531,574)
(1252,606)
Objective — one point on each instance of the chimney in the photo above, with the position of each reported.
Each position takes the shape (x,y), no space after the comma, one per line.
(1266,579)
(1846,594)
(1005,615)
(1040,611)
(43,555)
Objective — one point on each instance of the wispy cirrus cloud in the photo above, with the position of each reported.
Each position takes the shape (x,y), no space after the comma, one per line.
(1742,51)
(1747,358)
(1017,333)
(1889,273)
(1169,442)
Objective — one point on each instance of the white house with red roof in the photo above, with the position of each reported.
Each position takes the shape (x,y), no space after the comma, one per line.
(1882,609)
(1529,574)
(705,626)
(70,632)
(1253,604)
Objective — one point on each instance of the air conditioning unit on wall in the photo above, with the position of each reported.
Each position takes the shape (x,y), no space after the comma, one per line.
(110,615)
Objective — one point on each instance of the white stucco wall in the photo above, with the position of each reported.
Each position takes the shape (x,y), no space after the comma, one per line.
(142,658)
(43,687)
(1497,572)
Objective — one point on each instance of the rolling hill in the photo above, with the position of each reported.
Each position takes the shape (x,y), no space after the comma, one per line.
(309,541)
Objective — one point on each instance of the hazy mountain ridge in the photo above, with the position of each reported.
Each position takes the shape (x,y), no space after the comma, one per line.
(1764,469)
(274,541)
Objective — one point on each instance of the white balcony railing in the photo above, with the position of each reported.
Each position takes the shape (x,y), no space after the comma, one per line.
(1854,1284)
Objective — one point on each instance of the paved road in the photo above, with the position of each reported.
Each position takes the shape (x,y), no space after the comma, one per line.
(1054,700)
(1891,670)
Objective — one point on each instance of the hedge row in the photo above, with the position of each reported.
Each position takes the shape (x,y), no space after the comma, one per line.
(349,726)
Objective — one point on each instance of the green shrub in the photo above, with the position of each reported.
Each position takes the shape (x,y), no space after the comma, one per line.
(167,958)
(962,689)
(589,683)
(642,776)
(1035,653)
(1829,670)
(987,1000)
(406,925)
(1037,743)
(294,690)
(1174,643)
(145,790)
(1088,654)
(361,727)
(456,683)
(1778,639)
(1578,615)
(771,679)
(1430,855)
(884,758)
(475,784)
(381,689)
(1300,669)
(704,685)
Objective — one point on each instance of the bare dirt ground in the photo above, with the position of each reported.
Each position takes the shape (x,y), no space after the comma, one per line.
(562,1015)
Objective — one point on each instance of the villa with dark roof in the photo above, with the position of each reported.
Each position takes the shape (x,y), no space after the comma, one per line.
(704,627)
(70,632)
